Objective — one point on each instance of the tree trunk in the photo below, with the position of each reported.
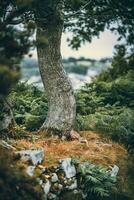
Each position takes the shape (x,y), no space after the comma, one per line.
(62,109)
(7,120)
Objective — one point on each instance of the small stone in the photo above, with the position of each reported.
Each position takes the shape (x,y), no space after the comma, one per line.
(68,181)
(54,178)
(35,156)
(44,170)
(40,166)
(61,175)
(53,169)
(55,187)
(83,140)
(30,170)
(115,170)
(46,187)
(39,181)
(74,135)
(47,176)
(68,167)
(52,196)
(72,186)
(60,187)
(25,159)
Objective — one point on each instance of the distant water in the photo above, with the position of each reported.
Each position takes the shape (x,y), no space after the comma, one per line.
(77,80)
(31,74)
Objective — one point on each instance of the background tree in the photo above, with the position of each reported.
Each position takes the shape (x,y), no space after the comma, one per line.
(14,44)
(85,19)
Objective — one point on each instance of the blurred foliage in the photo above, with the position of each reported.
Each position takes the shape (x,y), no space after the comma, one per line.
(14,183)
(29,106)
(121,64)
(107,104)
(8,78)
(14,44)
(90,18)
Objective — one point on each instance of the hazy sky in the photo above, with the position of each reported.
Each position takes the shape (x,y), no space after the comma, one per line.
(99,48)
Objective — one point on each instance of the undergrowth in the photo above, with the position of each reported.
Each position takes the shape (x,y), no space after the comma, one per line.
(29,106)
(107,104)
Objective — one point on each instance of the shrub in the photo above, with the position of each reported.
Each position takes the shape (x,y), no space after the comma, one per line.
(29,106)
(108,107)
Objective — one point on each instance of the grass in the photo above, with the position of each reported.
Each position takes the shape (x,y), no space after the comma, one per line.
(99,150)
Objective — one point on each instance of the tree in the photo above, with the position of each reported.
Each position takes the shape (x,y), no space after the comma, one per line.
(84,18)
(14,44)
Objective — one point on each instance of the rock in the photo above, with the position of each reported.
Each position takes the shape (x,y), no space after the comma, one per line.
(74,135)
(40,166)
(39,181)
(114,171)
(61,175)
(68,167)
(30,170)
(35,156)
(43,170)
(73,186)
(52,196)
(55,188)
(54,178)
(45,177)
(60,187)
(83,140)
(46,187)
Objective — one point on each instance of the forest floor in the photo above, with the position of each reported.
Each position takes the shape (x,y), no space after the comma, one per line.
(98,150)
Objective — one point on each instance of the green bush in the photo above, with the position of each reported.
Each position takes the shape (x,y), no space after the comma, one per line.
(108,107)
(29,106)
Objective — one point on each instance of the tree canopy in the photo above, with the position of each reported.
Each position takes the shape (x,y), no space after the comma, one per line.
(84,18)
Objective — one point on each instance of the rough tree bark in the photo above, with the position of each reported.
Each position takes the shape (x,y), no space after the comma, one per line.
(62,111)
(7,119)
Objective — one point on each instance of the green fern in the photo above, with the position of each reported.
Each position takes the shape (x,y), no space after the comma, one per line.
(97,180)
